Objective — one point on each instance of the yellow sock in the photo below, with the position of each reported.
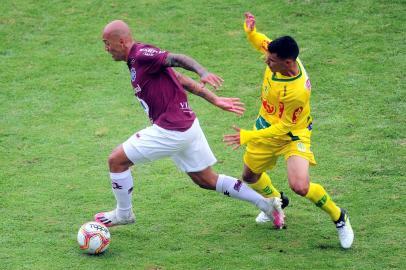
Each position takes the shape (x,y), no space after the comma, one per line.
(264,187)
(319,196)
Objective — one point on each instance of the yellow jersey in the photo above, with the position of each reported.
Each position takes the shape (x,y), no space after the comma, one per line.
(285,102)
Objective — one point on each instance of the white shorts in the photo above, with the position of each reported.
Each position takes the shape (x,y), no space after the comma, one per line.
(189,149)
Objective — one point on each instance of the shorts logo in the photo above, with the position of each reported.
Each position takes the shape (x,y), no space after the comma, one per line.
(301,147)
(133,74)
(296,114)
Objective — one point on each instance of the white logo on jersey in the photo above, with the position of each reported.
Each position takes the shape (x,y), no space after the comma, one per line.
(148,51)
(184,106)
(137,89)
(301,147)
(133,74)
(144,105)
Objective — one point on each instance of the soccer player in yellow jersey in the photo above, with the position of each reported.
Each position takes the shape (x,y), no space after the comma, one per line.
(283,128)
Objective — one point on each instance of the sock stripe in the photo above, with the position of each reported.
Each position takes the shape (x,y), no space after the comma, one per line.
(322,201)
(267,190)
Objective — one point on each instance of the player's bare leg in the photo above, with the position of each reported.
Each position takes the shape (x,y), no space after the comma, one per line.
(122,185)
(299,182)
(235,188)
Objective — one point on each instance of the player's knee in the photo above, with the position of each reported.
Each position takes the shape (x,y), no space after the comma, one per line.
(299,187)
(116,163)
(250,178)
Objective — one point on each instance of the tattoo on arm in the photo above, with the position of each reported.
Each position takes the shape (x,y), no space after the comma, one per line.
(195,88)
(186,62)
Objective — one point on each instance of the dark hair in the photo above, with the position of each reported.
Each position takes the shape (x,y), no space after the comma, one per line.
(285,47)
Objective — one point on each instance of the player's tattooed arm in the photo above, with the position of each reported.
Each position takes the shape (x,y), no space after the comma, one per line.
(186,62)
(228,104)
(194,87)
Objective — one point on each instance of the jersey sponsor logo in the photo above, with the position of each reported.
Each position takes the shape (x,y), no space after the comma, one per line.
(133,74)
(150,51)
(281,109)
(184,106)
(269,108)
(296,114)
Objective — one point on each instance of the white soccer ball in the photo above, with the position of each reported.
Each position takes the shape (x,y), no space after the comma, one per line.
(93,237)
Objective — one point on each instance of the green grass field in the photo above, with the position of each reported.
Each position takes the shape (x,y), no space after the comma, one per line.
(64,105)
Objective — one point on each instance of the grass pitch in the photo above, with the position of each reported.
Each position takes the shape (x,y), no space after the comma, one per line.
(64,105)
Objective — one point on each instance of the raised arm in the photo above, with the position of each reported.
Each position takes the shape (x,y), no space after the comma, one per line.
(258,40)
(186,62)
(233,105)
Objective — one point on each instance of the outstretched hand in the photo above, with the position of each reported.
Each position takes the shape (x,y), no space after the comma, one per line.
(233,105)
(249,21)
(212,79)
(233,140)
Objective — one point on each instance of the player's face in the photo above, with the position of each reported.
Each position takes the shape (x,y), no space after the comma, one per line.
(115,47)
(275,63)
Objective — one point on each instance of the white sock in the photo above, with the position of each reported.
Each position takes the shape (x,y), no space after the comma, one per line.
(122,185)
(235,188)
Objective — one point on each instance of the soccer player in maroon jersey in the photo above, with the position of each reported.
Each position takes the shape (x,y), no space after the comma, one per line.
(175,131)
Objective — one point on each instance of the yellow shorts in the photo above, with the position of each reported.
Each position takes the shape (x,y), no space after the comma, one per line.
(262,155)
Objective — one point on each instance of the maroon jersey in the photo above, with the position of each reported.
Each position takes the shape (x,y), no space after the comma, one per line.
(156,87)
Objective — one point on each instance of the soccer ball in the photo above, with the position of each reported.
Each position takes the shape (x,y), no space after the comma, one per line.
(93,237)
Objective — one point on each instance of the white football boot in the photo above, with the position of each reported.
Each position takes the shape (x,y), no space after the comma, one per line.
(277,216)
(110,219)
(344,229)
(274,214)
